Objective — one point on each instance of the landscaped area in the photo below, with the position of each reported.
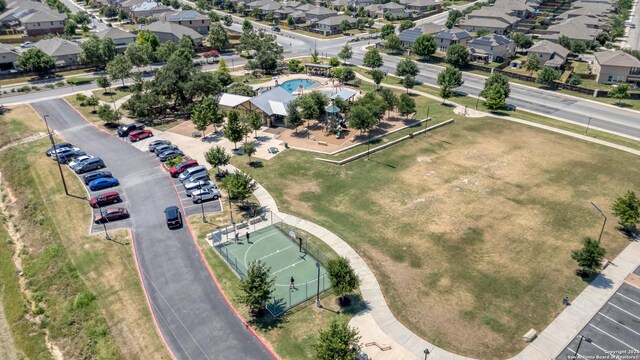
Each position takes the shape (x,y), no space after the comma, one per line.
(470,229)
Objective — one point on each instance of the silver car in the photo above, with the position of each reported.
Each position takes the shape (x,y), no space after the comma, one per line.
(196,185)
(78,160)
(201,195)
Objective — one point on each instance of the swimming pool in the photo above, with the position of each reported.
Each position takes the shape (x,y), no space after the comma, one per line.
(294,85)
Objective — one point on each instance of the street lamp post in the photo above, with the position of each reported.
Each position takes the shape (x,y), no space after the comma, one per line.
(605,219)
(230,210)
(104,224)
(368,143)
(55,150)
(580,343)
(426,353)
(318,291)
(426,121)
(588,124)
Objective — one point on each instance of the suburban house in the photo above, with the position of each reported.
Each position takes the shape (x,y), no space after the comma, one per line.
(191,19)
(409,36)
(615,66)
(284,12)
(550,53)
(395,9)
(65,52)
(18,9)
(515,8)
(489,19)
(319,13)
(121,38)
(491,47)
(331,25)
(362,3)
(257,4)
(584,28)
(269,8)
(452,36)
(339,4)
(168,31)
(147,9)
(8,56)
(43,22)
(128,4)
(421,5)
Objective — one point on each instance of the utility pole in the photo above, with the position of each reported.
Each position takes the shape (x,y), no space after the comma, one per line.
(55,150)
(605,219)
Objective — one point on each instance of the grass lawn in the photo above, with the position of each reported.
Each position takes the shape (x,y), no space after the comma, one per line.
(19,121)
(114,94)
(94,306)
(469,232)
(86,111)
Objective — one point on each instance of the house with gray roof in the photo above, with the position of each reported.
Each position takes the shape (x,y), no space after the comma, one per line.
(269,7)
(549,53)
(338,4)
(256,4)
(332,25)
(128,4)
(319,13)
(452,36)
(64,52)
(15,10)
(492,47)
(613,67)
(491,19)
(43,22)
(168,31)
(421,5)
(8,56)
(191,19)
(517,8)
(409,36)
(147,9)
(283,12)
(121,38)
(584,28)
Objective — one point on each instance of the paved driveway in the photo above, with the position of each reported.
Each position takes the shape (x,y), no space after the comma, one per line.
(191,312)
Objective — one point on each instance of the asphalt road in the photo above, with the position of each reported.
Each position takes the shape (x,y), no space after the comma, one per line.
(194,318)
(633,34)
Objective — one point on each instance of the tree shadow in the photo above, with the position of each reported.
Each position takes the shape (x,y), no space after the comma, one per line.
(356,305)
(268,322)
(623,105)
(381,163)
(256,164)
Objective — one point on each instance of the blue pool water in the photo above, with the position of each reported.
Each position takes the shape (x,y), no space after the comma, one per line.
(294,85)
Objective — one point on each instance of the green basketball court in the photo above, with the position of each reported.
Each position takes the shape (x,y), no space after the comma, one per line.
(281,252)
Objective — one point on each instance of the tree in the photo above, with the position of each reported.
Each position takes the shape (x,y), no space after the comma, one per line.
(590,257)
(372,59)
(3,5)
(386,30)
(216,157)
(619,92)
(334,61)
(103,82)
(119,68)
(315,57)
(393,43)
(407,67)
(146,105)
(36,61)
(249,149)
(578,47)
(343,279)
(627,209)
(389,99)
(496,90)
(233,129)
(449,79)
(92,101)
(425,45)
(406,25)
(164,51)
(408,82)
(521,40)
(564,41)
(345,25)
(257,287)
(239,186)
(70,28)
(345,53)
(308,108)
(255,122)
(377,75)
(361,118)
(186,43)
(207,113)
(339,341)
(406,105)
(290,21)
(241,89)
(146,37)
(293,118)
(533,63)
(98,52)
(457,55)
(547,75)
(247,26)
(453,17)
(139,55)
(107,114)
(295,66)
(218,36)
(227,20)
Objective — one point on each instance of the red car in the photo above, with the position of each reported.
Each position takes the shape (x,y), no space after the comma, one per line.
(111,214)
(103,199)
(139,135)
(178,169)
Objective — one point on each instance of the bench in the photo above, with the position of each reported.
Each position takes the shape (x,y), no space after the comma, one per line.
(242,225)
(255,220)
(196,134)
(530,335)
(322,143)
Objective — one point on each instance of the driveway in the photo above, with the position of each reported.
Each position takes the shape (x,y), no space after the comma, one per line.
(191,312)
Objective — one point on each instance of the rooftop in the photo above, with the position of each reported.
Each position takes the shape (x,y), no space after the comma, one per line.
(549,47)
(274,101)
(491,40)
(617,58)
(115,33)
(58,47)
(172,28)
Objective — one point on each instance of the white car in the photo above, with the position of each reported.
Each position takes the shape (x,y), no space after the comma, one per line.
(78,160)
(197,185)
(26,45)
(201,195)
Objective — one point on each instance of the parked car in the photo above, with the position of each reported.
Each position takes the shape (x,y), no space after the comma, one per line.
(111,214)
(125,130)
(157,143)
(173,216)
(26,45)
(190,187)
(170,154)
(109,197)
(79,160)
(201,176)
(59,147)
(190,172)
(180,168)
(103,183)
(54,154)
(95,175)
(201,195)
(125,22)
(66,156)
(139,135)
(275,28)
(89,165)
(162,148)
(109,25)
(222,174)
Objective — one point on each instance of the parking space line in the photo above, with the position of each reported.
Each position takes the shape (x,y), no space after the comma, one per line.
(633,331)
(628,298)
(621,309)
(579,356)
(613,337)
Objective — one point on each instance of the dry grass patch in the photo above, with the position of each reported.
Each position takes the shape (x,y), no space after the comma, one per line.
(19,121)
(470,231)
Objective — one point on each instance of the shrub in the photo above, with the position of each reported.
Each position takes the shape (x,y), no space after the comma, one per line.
(60,84)
(173,162)
(25,88)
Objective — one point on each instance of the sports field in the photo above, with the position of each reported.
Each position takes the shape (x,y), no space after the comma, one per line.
(282,253)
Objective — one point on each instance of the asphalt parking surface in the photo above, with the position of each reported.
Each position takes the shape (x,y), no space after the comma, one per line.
(191,312)
(614,332)
(190,208)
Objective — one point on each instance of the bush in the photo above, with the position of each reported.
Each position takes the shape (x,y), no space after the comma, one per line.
(79,81)
(60,84)
(81,97)
(49,86)
(574,80)
(173,162)
(25,88)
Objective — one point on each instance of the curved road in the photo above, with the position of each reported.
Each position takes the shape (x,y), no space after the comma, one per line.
(194,318)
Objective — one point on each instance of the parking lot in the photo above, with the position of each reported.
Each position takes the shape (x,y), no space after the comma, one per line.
(115,225)
(614,332)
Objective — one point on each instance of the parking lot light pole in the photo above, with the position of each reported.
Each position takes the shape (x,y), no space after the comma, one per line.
(55,150)
(104,224)
(426,353)
(318,291)
(605,219)
(580,343)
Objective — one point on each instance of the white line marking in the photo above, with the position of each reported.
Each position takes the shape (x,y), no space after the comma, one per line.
(618,323)
(304,283)
(580,356)
(273,253)
(285,268)
(628,298)
(252,245)
(613,337)
(621,309)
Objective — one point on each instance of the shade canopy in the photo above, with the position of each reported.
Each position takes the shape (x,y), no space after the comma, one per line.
(332,109)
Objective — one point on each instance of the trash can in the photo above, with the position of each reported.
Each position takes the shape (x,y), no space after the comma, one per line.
(286,145)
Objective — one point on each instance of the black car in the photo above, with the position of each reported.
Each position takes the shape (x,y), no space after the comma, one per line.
(275,28)
(128,128)
(67,155)
(157,143)
(59,147)
(173,216)
(96,175)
